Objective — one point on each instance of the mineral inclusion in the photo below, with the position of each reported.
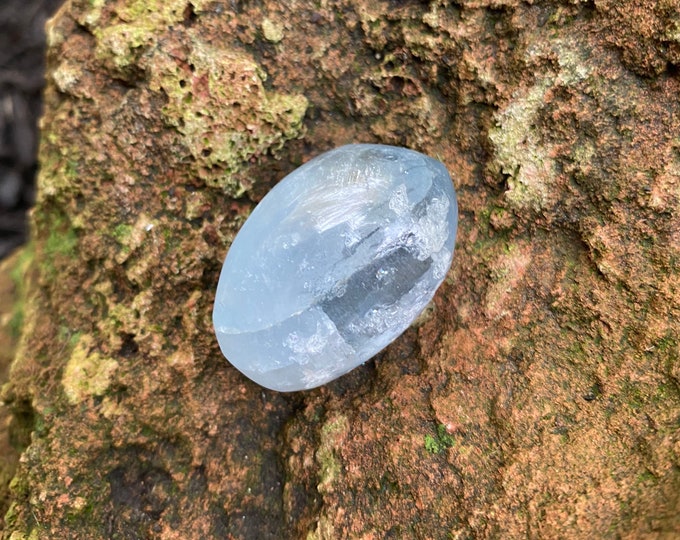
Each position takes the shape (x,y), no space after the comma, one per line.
(335,263)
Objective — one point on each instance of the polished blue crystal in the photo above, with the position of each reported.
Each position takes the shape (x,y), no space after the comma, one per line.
(335,263)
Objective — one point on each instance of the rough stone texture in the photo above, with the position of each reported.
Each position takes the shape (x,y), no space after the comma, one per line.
(10,325)
(539,395)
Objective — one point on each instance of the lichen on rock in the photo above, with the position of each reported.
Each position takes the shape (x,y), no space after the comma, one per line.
(87,373)
(217,101)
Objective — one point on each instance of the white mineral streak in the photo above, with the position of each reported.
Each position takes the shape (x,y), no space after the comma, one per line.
(334,264)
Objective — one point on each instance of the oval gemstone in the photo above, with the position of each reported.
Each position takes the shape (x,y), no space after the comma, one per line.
(335,262)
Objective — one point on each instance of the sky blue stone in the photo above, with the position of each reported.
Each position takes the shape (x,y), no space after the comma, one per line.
(335,263)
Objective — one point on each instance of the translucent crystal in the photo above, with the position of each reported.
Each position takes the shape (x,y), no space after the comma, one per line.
(334,264)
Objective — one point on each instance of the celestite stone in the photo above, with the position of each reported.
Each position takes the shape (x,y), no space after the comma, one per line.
(335,263)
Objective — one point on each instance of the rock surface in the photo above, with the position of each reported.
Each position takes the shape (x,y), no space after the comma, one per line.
(538,396)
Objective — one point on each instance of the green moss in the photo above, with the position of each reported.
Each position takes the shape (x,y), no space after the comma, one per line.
(81,511)
(23,261)
(665,394)
(18,277)
(440,441)
(59,166)
(11,514)
(19,486)
(61,243)
(633,396)
(40,426)
(67,336)
(646,477)
(330,466)
(432,444)
(121,232)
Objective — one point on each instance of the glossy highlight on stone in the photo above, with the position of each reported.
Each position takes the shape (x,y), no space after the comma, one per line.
(335,262)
